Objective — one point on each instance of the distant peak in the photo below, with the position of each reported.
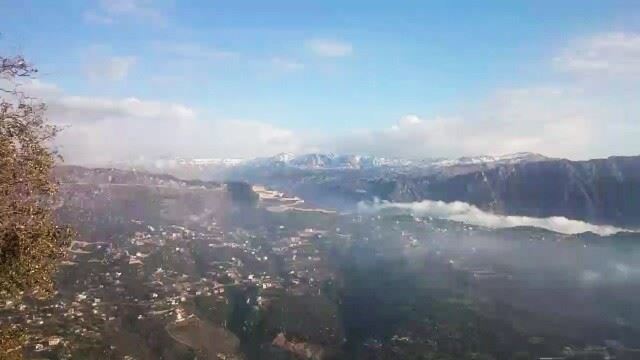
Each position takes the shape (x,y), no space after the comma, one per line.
(484,159)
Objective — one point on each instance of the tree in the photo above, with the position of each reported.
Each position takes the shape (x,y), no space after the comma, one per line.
(31,242)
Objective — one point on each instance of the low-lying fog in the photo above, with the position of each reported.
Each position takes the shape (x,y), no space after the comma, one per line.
(470,214)
(561,281)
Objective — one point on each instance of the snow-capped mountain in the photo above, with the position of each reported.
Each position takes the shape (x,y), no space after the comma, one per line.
(330,161)
(211,161)
(334,161)
(524,184)
(326,161)
(486,159)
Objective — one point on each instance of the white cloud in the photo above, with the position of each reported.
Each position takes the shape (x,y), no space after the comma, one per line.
(36,88)
(93,17)
(550,121)
(99,130)
(111,68)
(91,109)
(113,139)
(192,50)
(560,120)
(110,11)
(286,64)
(614,54)
(590,115)
(464,212)
(330,48)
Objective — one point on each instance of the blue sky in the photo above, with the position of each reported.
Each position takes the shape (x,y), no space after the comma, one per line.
(338,75)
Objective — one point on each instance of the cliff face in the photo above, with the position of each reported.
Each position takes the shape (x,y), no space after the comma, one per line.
(600,191)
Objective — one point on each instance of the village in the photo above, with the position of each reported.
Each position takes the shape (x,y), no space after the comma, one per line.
(159,271)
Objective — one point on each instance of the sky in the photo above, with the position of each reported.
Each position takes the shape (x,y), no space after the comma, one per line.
(144,79)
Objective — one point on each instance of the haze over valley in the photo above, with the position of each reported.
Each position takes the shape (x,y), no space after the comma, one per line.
(296,180)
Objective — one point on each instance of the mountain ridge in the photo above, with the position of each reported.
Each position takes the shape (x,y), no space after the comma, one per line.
(320,160)
(600,191)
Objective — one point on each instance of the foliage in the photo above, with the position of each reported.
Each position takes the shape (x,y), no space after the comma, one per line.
(242,193)
(11,340)
(30,240)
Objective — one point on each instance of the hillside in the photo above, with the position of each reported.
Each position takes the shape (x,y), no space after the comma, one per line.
(600,191)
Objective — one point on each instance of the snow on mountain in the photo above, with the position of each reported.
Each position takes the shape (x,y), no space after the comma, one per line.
(317,161)
(487,159)
(199,162)
(327,161)
(333,161)
(213,161)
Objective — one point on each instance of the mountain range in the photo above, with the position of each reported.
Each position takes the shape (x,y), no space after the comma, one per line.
(338,161)
(602,191)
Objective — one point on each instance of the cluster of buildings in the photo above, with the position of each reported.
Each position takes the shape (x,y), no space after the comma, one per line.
(158,271)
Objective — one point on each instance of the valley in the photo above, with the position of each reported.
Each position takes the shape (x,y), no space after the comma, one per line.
(167,268)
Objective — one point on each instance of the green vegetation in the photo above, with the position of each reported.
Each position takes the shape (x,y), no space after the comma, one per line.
(242,193)
(30,240)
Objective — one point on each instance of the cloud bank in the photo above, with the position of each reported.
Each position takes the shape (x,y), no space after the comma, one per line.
(467,213)
(564,119)
(591,113)
(553,122)
(547,120)
(100,130)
